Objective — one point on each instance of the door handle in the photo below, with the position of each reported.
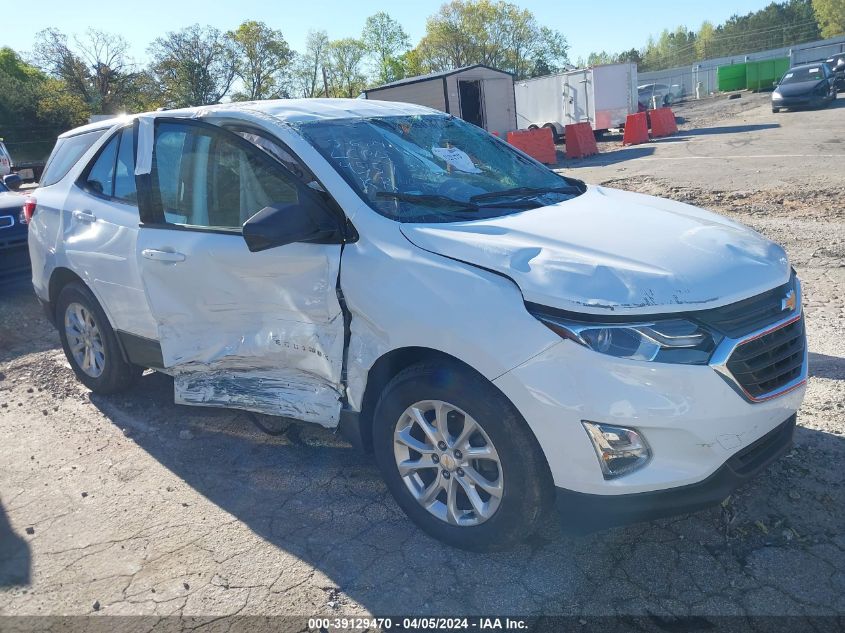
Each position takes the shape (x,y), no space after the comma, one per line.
(163,256)
(84,216)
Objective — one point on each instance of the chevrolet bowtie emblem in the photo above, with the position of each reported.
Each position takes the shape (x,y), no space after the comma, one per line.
(788,302)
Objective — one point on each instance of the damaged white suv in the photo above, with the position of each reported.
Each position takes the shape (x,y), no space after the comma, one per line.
(502,338)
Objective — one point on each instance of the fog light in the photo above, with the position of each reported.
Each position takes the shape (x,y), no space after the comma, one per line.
(620,450)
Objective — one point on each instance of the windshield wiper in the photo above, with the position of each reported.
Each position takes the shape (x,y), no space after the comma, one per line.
(427,199)
(525,191)
(438,200)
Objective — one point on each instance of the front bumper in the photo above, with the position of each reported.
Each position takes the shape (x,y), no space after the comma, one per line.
(588,512)
(693,418)
(804,101)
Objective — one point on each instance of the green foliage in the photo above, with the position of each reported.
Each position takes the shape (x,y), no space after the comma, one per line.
(95,67)
(498,34)
(387,42)
(776,25)
(34,108)
(831,16)
(305,78)
(194,66)
(345,74)
(263,55)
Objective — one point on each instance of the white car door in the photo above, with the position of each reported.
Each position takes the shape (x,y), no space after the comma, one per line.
(257,331)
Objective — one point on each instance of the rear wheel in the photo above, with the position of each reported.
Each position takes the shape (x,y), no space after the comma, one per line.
(459,459)
(555,136)
(775,110)
(89,342)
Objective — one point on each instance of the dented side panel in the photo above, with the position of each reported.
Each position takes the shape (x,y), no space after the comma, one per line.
(257,331)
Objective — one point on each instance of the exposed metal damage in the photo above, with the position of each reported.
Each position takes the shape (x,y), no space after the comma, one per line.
(273,391)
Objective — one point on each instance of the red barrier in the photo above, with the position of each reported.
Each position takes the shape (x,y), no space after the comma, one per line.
(580,141)
(662,122)
(636,129)
(538,144)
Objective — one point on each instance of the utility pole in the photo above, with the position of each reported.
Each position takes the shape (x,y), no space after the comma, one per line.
(326,81)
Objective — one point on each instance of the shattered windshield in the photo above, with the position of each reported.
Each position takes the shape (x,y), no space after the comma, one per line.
(434,168)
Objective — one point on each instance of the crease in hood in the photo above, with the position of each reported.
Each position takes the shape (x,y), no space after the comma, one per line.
(611,251)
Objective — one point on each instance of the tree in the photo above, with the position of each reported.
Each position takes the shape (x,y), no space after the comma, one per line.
(387,41)
(34,108)
(497,34)
(831,16)
(263,55)
(704,40)
(193,66)
(345,59)
(306,79)
(96,68)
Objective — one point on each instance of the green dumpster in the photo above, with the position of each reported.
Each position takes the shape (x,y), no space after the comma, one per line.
(731,77)
(764,74)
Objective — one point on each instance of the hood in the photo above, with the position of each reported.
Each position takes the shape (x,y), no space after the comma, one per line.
(800,88)
(609,251)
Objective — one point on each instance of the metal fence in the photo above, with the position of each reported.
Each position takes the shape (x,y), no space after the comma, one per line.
(687,78)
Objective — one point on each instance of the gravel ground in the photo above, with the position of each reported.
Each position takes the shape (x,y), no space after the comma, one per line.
(133,505)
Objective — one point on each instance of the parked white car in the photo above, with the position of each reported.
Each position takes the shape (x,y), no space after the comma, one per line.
(659,95)
(500,337)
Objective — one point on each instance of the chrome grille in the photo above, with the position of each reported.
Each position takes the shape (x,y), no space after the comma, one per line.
(769,362)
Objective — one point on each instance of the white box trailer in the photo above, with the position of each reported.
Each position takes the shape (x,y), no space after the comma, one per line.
(602,95)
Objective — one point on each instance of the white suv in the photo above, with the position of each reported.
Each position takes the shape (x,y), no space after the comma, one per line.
(499,336)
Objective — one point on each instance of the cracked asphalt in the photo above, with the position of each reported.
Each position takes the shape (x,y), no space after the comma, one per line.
(133,505)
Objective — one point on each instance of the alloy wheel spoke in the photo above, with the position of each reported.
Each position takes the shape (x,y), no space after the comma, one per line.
(430,432)
(441,413)
(404,437)
(481,452)
(493,488)
(462,441)
(474,498)
(410,466)
(452,511)
(428,495)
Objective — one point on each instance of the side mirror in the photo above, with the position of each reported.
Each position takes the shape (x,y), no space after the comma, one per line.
(306,221)
(12,181)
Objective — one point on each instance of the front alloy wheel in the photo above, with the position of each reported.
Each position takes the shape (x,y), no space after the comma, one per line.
(448,463)
(459,458)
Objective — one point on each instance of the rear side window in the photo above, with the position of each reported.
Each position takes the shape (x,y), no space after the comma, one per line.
(124,177)
(65,155)
(100,178)
(112,174)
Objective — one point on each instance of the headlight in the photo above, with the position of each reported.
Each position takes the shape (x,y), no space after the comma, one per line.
(665,340)
(777,95)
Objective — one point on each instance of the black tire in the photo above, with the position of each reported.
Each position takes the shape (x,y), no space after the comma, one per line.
(556,138)
(528,489)
(117,374)
(775,110)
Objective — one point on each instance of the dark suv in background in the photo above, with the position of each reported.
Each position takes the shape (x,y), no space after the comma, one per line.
(14,256)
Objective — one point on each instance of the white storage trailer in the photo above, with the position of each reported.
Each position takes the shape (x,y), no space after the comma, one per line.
(602,95)
(479,94)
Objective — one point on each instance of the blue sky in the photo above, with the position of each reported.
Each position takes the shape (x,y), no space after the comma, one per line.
(611,25)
